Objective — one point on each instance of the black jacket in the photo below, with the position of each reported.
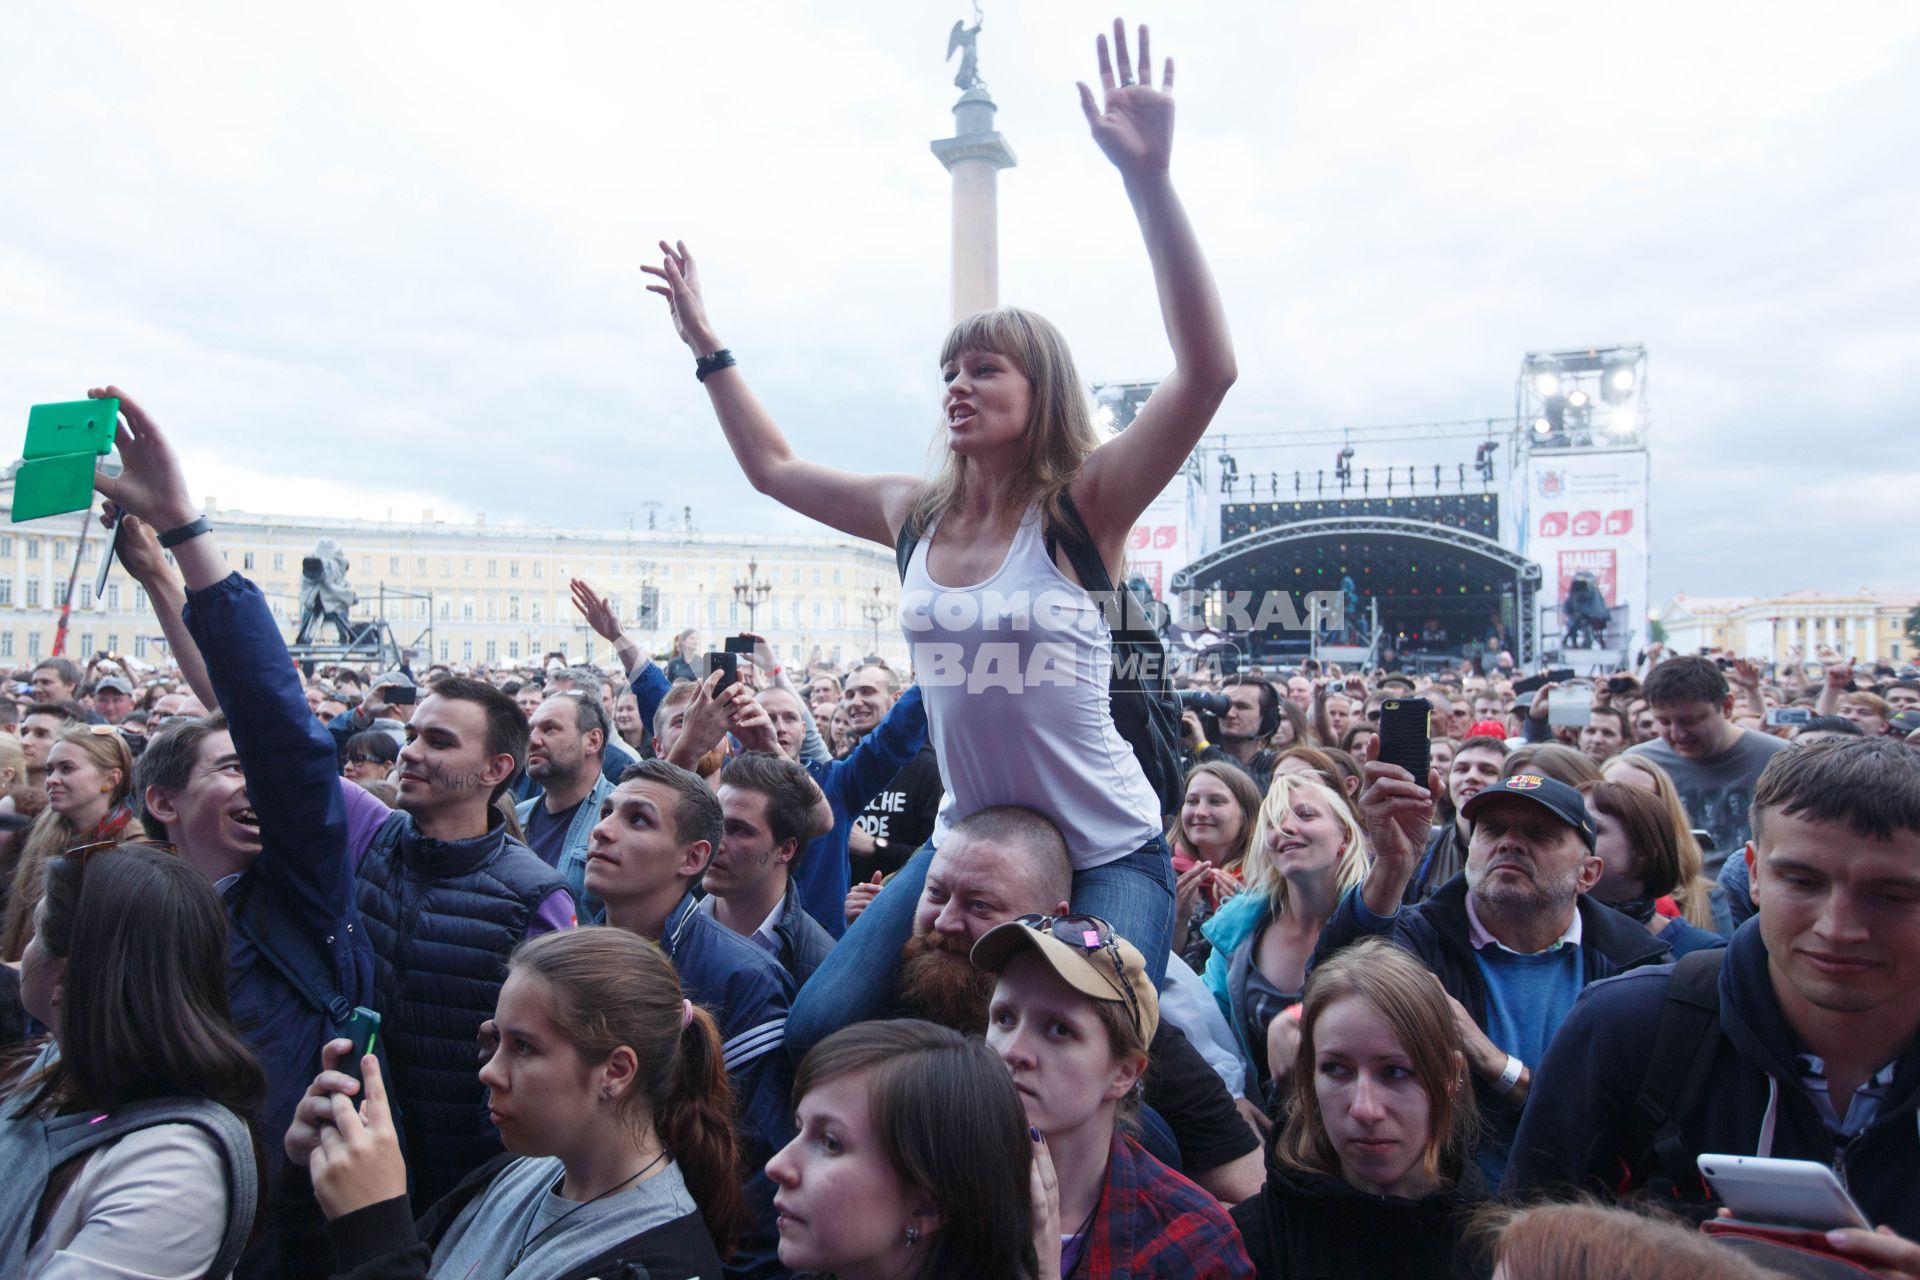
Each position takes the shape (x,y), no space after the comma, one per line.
(1438,931)
(1582,1128)
(382,1242)
(442,916)
(804,941)
(1308,1226)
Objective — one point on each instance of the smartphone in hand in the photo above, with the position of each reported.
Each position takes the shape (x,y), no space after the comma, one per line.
(1793,1193)
(362,1027)
(1405,737)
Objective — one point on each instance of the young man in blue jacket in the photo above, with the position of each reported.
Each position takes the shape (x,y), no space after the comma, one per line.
(1816,1052)
(252,797)
(656,836)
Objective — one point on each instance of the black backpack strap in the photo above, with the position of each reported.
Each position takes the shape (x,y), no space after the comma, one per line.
(903,546)
(71,1136)
(1685,1045)
(313,987)
(1081,553)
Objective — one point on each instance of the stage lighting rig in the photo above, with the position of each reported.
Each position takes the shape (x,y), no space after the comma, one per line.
(1584,398)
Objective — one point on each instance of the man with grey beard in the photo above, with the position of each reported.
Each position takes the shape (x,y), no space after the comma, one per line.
(1514,938)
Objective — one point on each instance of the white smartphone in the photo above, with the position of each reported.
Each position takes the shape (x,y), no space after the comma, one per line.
(106,562)
(1793,1193)
(1571,706)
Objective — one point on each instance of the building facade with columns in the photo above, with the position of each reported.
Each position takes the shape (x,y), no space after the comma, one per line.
(473,593)
(1854,624)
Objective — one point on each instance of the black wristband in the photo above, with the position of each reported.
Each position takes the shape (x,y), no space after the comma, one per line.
(704,365)
(186,532)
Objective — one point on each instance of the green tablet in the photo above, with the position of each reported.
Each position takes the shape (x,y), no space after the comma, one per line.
(64,442)
(77,426)
(53,486)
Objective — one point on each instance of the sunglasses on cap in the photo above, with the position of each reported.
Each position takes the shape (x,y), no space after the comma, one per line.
(1090,934)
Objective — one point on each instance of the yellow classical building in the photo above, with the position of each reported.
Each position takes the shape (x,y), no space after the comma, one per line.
(474,593)
(1854,624)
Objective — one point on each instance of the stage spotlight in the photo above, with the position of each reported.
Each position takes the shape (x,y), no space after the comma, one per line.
(1577,399)
(1103,419)
(1483,459)
(1541,427)
(1343,466)
(1622,421)
(1617,379)
(1546,382)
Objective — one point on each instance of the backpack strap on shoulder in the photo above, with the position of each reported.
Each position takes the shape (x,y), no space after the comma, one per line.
(71,1136)
(1684,1047)
(1081,553)
(903,546)
(308,979)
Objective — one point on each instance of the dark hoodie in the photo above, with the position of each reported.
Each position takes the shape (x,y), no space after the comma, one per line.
(1309,1226)
(1581,1127)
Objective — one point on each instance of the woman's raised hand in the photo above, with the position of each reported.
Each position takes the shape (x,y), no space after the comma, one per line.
(681,289)
(1134,122)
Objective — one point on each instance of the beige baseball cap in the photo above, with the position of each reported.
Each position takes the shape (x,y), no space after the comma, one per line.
(1087,954)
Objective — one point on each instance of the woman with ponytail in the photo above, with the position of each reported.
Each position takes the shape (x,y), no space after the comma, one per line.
(610,1093)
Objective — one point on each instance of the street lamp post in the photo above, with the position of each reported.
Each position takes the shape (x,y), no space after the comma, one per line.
(875,611)
(752,592)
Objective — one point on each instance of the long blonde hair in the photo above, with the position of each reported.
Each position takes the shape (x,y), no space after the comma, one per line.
(52,833)
(1286,790)
(1059,433)
(1695,892)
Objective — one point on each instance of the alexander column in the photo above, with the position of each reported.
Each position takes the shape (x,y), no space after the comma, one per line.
(974,155)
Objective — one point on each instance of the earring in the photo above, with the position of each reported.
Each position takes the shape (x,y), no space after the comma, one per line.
(105,790)
(913,1236)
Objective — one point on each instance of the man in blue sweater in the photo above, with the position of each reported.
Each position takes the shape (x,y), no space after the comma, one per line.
(1513,939)
(657,834)
(1815,1047)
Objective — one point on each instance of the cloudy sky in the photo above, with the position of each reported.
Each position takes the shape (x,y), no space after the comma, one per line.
(383,258)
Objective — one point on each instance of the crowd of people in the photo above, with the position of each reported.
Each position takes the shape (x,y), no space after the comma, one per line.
(870,973)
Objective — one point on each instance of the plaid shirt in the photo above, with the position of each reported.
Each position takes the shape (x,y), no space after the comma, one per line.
(1154,1223)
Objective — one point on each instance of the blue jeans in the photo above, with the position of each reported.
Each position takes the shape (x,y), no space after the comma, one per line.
(858,980)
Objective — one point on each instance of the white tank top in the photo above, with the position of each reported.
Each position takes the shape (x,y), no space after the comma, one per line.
(1014,674)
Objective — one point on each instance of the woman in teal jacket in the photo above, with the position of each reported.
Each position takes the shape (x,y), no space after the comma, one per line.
(1307,852)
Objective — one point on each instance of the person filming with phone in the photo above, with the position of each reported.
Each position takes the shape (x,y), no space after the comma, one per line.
(1514,938)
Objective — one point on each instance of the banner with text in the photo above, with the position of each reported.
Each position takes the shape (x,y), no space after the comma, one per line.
(1586,514)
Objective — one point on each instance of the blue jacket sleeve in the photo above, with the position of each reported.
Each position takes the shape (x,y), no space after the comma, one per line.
(813,747)
(881,754)
(341,729)
(649,685)
(1350,922)
(287,756)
